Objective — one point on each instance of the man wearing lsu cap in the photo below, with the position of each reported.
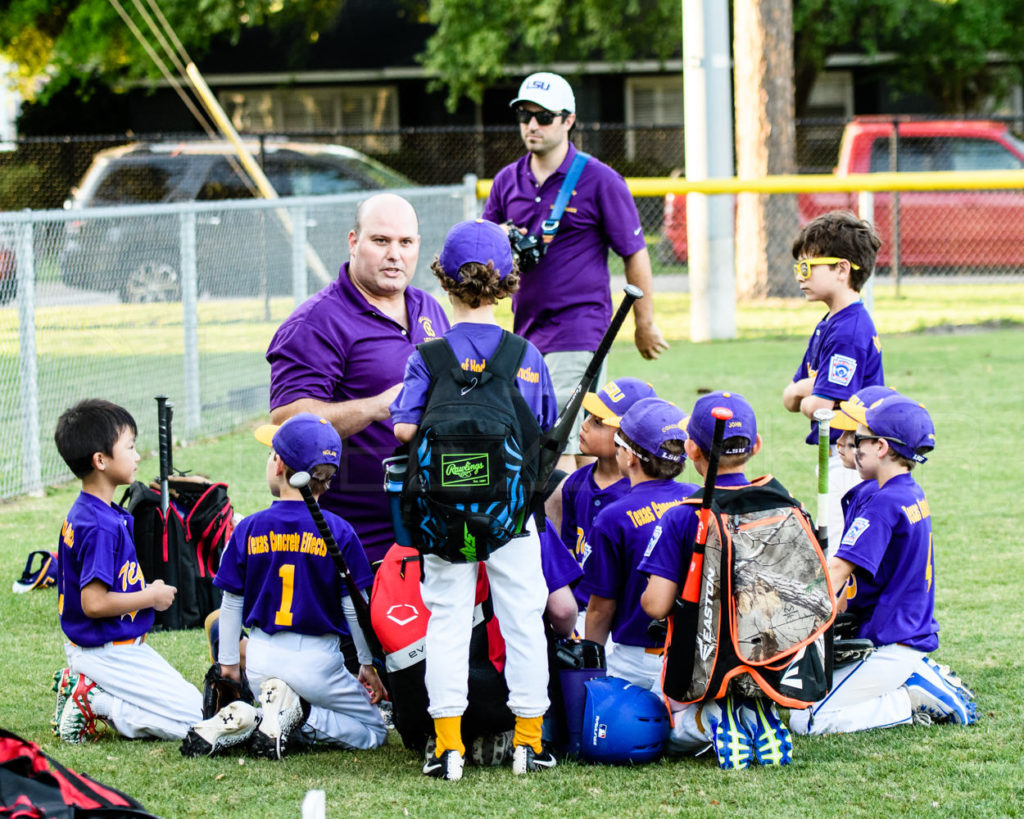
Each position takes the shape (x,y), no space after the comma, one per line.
(564,303)
(278,578)
(591,488)
(886,555)
(649,450)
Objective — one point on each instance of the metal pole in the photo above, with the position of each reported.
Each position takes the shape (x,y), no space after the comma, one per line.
(894,166)
(31,465)
(190,322)
(300,289)
(866,209)
(707,116)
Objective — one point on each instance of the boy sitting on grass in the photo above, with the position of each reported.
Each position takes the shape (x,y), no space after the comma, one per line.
(106,607)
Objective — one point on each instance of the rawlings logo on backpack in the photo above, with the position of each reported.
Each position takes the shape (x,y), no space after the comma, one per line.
(475,458)
(765,604)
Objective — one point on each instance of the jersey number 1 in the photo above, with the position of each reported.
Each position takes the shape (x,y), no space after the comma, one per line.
(283,616)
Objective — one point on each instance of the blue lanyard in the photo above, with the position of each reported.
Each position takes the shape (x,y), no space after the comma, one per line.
(550,226)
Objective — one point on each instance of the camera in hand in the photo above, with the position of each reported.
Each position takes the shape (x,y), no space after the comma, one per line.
(528,249)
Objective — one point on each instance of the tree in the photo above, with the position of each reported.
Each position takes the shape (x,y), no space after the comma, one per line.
(55,42)
(476,40)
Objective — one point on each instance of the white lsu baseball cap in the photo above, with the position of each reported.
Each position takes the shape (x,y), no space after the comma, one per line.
(547,90)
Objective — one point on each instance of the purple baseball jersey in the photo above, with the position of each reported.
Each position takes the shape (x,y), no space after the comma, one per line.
(97,542)
(890,543)
(618,540)
(556,561)
(564,303)
(669,550)
(472,344)
(278,563)
(582,501)
(843,355)
(853,500)
(337,347)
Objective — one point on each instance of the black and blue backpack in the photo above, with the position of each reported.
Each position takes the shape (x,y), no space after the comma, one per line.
(474,462)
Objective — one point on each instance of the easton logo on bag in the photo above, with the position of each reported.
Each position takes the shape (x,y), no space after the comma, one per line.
(475,458)
(765,605)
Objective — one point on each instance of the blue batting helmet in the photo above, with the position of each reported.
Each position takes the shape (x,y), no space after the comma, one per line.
(622,723)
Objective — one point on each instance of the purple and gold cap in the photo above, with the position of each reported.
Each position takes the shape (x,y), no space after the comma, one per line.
(303,441)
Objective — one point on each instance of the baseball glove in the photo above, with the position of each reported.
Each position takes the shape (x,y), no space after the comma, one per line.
(219,691)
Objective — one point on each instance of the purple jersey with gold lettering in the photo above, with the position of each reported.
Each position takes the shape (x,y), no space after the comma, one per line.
(893,585)
(278,563)
(472,343)
(582,501)
(618,541)
(843,356)
(670,548)
(556,561)
(97,542)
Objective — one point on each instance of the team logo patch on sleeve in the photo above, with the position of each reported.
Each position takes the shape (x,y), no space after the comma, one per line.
(855,530)
(655,537)
(841,369)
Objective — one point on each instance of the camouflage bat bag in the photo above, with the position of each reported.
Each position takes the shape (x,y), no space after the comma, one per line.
(766,603)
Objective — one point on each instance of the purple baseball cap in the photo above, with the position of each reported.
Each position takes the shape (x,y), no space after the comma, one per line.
(650,422)
(861,398)
(303,441)
(701,424)
(614,398)
(902,421)
(476,241)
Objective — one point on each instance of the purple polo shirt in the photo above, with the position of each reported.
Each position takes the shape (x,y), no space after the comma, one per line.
(582,501)
(671,545)
(893,586)
(564,303)
(618,540)
(337,347)
(843,355)
(472,345)
(97,543)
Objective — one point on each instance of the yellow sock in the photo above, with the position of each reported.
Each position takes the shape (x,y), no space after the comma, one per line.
(528,732)
(449,735)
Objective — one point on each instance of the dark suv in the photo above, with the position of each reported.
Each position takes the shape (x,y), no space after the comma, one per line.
(237,252)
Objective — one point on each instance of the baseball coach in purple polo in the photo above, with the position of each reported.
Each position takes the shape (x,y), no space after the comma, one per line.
(564,301)
(342,354)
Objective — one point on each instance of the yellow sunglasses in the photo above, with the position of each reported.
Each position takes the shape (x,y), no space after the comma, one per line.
(802,269)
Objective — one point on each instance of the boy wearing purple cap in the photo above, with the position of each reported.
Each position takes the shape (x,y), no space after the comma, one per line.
(105,604)
(649,452)
(739,728)
(476,269)
(886,556)
(588,490)
(280,581)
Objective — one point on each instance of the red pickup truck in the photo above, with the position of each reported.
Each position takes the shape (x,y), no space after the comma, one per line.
(938,229)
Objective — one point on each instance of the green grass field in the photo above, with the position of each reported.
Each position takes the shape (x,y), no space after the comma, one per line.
(971,382)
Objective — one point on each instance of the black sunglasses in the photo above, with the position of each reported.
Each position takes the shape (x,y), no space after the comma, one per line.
(858,438)
(524,115)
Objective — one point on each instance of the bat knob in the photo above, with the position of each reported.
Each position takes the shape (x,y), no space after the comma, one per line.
(722,413)
(299,480)
(823,414)
(633,291)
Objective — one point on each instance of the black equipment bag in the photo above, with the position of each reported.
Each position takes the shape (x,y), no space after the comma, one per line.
(184,549)
(474,462)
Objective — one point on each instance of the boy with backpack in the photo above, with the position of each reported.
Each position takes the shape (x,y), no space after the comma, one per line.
(472,407)
(105,603)
(886,556)
(742,726)
(649,452)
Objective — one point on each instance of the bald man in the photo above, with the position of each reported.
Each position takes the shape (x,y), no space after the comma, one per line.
(342,355)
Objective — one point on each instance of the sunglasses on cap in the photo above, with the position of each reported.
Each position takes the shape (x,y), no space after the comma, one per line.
(524,115)
(802,269)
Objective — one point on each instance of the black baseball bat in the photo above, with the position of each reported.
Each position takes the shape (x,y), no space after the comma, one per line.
(163,426)
(682,628)
(300,480)
(554,442)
